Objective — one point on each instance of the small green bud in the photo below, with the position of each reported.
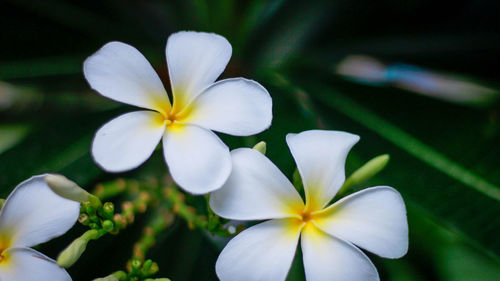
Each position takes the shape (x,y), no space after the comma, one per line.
(108,225)
(146,267)
(2,201)
(261,147)
(107,278)
(90,210)
(119,221)
(154,268)
(108,210)
(117,276)
(135,265)
(94,225)
(84,219)
(66,188)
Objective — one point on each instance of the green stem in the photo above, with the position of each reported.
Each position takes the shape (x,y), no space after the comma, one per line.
(176,200)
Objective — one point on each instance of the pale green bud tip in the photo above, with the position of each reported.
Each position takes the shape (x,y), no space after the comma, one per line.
(261,147)
(375,165)
(368,170)
(66,188)
(72,253)
(2,201)
(107,278)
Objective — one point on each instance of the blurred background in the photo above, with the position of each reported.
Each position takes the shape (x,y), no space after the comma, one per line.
(416,79)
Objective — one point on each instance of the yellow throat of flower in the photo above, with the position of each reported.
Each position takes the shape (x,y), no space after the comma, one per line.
(172,115)
(4,245)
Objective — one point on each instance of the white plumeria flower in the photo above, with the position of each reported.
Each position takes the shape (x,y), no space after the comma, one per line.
(33,214)
(373,219)
(197,159)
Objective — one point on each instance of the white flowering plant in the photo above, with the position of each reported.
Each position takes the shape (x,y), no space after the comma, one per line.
(238,185)
(237,140)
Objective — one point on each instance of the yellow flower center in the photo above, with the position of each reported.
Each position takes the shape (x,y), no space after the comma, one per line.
(4,245)
(172,116)
(306,216)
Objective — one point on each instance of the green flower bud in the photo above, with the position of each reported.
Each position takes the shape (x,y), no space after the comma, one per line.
(107,278)
(90,210)
(108,225)
(84,219)
(261,147)
(70,190)
(74,251)
(135,265)
(365,172)
(117,276)
(154,268)
(66,188)
(2,201)
(146,267)
(108,210)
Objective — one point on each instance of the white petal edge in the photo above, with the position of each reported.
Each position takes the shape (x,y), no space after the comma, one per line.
(328,258)
(255,190)
(235,106)
(120,72)
(25,264)
(34,214)
(373,219)
(320,157)
(197,159)
(195,60)
(127,141)
(263,252)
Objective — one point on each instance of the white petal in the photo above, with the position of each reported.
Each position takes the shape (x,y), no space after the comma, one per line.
(263,252)
(25,264)
(34,214)
(320,157)
(120,72)
(195,60)
(255,190)
(234,106)
(198,160)
(328,258)
(127,141)
(373,219)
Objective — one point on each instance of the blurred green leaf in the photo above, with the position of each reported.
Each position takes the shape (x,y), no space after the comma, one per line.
(12,134)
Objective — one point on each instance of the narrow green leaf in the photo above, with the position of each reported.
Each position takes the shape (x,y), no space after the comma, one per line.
(408,143)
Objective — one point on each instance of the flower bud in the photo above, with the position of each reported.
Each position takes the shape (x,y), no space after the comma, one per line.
(135,265)
(66,188)
(108,225)
(365,172)
(2,201)
(146,266)
(70,190)
(261,147)
(74,251)
(108,210)
(107,278)
(153,269)
(84,219)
